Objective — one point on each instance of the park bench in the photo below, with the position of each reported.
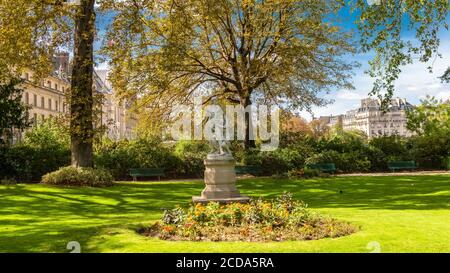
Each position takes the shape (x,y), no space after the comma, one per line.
(253,170)
(323,167)
(146,172)
(401,165)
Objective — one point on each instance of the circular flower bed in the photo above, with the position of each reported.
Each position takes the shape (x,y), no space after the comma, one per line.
(275,220)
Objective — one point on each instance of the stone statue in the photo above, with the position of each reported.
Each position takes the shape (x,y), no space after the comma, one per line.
(220,147)
(220,174)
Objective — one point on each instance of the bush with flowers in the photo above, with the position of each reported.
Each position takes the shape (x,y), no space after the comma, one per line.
(260,220)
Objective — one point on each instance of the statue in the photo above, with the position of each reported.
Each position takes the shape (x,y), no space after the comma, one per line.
(220,174)
(220,147)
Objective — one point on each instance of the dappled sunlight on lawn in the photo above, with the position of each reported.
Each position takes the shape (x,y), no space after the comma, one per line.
(40,218)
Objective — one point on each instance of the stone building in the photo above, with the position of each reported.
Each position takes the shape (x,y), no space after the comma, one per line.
(373,121)
(117,116)
(47,98)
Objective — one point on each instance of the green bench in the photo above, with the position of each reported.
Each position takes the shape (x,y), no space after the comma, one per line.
(253,170)
(146,172)
(323,167)
(401,165)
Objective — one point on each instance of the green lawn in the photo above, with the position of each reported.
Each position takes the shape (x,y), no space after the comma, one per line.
(403,214)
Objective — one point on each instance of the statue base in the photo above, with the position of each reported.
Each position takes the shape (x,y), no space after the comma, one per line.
(220,181)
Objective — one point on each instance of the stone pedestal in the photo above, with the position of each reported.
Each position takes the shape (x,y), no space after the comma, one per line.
(220,180)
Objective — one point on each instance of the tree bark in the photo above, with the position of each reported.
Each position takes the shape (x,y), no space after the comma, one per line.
(248,143)
(81,98)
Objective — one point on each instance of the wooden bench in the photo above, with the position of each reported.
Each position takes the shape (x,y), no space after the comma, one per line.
(323,167)
(253,170)
(401,165)
(146,172)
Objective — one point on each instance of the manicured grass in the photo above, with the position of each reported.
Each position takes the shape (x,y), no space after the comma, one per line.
(403,214)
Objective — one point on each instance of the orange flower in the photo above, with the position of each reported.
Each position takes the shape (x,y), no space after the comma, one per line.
(168,229)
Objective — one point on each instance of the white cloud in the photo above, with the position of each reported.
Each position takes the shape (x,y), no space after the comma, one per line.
(444,95)
(414,84)
(349,95)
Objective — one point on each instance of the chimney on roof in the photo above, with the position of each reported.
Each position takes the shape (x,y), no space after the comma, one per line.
(61,63)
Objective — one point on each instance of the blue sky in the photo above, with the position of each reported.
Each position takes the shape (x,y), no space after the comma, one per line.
(415,81)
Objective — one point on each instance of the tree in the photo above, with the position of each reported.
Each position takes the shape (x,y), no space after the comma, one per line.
(81,95)
(319,128)
(383,25)
(13,113)
(431,117)
(280,51)
(30,32)
(446,76)
(431,122)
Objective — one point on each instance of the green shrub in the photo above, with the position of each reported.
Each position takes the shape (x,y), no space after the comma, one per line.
(29,163)
(44,149)
(72,176)
(119,157)
(191,155)
(346,162)
(116,157)
(6,169)
(281,161)
(311,173)
(430,152)
(252,157)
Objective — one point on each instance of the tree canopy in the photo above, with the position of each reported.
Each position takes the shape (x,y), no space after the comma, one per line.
(13,113)
(161,52)
(282,51)
(430,118)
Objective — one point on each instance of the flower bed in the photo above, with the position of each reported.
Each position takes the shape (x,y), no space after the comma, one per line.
(274,220)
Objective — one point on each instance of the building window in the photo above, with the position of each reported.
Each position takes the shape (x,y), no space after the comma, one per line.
(56,105)
(34,99)
(35,119)
(27,98)
(64,107)
(42,102)
(42,117)
(49,84)
(63,88)
(50,104)
(27,76)
(56,86)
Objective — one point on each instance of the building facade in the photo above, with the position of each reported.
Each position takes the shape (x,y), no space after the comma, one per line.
(47,98)
(117,116)
(373,121)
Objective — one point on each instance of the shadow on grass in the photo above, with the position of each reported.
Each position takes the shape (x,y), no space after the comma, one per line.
(395,193)
(37,217)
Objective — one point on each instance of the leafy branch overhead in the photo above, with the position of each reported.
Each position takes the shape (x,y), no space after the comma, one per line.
(383,28)
(282,51)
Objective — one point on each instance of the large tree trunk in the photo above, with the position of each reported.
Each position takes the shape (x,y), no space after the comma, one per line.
(248,143)
(81,99)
